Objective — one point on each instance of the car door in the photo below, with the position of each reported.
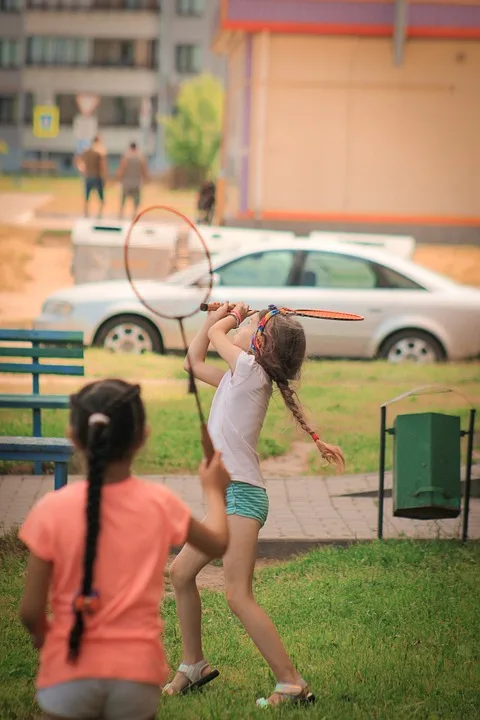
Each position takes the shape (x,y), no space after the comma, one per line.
(258,279)
(347,283)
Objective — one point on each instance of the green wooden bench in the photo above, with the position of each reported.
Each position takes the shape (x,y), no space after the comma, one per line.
(43,344)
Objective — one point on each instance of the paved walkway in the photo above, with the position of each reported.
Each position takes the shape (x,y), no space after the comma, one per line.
(304,511)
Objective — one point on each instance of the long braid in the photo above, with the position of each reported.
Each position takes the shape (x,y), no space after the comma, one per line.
(98,451)
(331,453)
(97,456)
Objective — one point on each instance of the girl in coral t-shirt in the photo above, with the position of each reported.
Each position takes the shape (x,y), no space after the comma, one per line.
(98,550)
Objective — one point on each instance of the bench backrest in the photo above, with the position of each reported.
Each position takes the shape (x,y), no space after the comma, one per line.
(49,344)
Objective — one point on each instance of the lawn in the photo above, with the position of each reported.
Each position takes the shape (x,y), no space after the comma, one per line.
(341,398)
(388,631)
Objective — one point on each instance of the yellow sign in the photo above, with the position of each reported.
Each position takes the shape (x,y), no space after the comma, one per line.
(3,147)
(46,120)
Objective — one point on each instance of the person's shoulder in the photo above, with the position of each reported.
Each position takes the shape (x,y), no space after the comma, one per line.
(57,501)
(247,366)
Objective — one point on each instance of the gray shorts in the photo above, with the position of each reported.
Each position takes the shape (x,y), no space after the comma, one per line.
(100,698)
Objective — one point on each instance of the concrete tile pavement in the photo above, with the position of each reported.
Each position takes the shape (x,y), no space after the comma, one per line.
(304,511)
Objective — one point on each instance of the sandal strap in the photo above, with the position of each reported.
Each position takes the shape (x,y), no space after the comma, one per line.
(291,690)
(193,673)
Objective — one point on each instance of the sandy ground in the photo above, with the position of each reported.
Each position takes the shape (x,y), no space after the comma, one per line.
(211,577)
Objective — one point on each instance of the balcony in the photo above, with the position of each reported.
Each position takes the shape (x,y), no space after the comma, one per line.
(93,5)
(134,80)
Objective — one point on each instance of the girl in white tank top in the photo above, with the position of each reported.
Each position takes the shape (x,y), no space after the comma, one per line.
(270,349)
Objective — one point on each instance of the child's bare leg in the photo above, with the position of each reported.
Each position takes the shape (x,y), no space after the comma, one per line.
(239,563)
(183,573)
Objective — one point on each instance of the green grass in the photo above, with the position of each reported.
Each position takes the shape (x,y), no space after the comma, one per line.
(387,630)
(342,399)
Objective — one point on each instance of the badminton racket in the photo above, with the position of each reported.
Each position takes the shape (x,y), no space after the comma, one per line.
(177,241)
(320,314)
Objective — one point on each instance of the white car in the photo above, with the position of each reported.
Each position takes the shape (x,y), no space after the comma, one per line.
(410,313)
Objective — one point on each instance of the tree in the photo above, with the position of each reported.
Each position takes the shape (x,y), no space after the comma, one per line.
(193,133)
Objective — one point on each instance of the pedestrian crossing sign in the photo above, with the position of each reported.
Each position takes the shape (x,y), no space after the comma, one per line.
(46,121)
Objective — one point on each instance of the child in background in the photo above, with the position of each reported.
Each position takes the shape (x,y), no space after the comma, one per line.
(98,549)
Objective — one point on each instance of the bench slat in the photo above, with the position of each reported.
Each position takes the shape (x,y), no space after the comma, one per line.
(37,368)
(29,402)
(62,337)
(63,352)
(15,442)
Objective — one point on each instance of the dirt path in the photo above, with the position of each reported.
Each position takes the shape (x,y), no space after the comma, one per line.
(211,577)
(46,269)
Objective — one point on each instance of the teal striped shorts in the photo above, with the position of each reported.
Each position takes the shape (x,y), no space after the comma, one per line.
(248,501)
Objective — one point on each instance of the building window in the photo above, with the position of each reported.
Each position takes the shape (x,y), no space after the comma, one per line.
(114,53)
(28,108)
(123,111)
(44,50)
(8,109)
(188,59)
(9,53)
(10,6)
(68,109)
(193,8)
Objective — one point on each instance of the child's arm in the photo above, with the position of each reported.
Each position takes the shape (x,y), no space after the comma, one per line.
(218,336)
(197,352)
(33,608)
(211,536)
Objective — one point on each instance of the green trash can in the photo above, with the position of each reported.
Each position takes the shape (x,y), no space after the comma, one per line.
(426,466)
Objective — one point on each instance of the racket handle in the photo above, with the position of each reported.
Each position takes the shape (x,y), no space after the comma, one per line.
(208,449)
(211,307)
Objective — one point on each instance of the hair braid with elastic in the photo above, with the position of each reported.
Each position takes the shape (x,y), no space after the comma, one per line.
(281,353)
(100,448)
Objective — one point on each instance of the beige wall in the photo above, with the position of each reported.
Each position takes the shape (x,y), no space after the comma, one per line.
(346,131)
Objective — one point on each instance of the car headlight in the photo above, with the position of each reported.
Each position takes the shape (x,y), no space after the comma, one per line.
(57,307)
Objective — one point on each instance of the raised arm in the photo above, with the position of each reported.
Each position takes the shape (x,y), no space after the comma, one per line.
(218,335)
(197,352)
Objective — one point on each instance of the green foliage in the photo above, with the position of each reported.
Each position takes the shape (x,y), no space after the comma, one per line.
(193,134)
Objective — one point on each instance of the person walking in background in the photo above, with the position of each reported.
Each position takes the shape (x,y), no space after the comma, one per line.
(93,166)
(132,173)
(206,202)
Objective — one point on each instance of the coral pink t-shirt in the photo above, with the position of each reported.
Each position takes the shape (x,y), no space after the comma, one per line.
(139,522)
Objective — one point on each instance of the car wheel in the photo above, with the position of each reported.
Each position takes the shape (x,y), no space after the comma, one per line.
(129,334)
(412,346)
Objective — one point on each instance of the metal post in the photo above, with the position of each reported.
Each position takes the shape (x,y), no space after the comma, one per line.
(37,417)
(381,472)
(21,94)
(400,30)
(468,476)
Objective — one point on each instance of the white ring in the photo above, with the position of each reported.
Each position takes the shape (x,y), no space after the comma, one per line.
(98,419)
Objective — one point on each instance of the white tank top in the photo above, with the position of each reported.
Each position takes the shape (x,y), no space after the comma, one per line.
(236,418)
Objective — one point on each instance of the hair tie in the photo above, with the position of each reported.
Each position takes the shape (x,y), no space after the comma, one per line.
(255,344)
(315,437)
(98,419)
(87,604)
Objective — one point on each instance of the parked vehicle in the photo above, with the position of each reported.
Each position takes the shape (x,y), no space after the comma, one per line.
(410,313)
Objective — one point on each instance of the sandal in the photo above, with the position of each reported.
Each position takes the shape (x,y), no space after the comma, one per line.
(290,693)
(196,680)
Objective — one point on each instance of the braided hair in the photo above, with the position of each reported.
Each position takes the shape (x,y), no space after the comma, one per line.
(281,353)
(108,421)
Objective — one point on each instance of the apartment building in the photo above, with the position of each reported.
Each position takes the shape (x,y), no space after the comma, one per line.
(125,52)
